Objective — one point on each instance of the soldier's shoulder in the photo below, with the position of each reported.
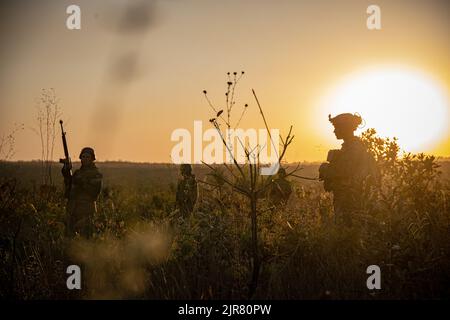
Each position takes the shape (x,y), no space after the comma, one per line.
(95,172)
(356,142)
(356,145)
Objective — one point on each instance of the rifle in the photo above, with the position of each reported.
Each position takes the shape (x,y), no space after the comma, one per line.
(67,169)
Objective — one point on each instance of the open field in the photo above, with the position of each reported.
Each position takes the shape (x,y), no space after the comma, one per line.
(144,249)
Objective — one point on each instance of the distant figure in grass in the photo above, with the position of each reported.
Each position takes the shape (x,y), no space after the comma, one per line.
(280,190)
(186,191)
(82,190)
(347,170)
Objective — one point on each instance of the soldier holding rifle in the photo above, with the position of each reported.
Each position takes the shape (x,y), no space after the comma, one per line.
(82,188)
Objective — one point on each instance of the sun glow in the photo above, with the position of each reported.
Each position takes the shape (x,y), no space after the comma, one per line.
(397,102)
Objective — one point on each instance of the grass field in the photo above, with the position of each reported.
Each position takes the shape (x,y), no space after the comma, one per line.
(144,249)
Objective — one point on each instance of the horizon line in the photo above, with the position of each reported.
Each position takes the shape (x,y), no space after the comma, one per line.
(438,158)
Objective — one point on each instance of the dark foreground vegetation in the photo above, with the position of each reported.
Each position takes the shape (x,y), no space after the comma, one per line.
(144,249)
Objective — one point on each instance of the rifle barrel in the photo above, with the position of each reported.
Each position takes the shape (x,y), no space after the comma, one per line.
(63,134)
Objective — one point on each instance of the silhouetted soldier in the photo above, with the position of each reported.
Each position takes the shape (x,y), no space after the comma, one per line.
(186,191)
(82,189)
(347,169)
(280,189)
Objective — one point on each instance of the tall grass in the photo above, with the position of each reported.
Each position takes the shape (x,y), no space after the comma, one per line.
(404,228)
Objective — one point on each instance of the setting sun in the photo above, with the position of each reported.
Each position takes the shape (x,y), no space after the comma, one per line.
(225,158)
(398,102)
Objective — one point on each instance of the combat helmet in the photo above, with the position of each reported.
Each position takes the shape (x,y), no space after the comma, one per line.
(88,150)
(346,120)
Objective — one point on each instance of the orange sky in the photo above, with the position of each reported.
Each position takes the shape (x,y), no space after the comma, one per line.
(126,82)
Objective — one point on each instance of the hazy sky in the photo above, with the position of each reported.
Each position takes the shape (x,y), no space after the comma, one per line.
(135,72)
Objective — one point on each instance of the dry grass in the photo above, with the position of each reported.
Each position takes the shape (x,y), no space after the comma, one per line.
(152,253)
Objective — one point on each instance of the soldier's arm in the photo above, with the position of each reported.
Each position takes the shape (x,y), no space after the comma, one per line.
(66,172)
(67,175)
